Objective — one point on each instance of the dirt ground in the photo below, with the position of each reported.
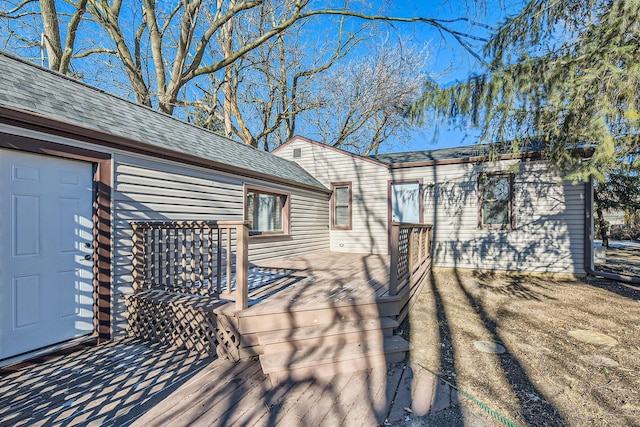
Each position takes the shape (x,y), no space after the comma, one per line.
(571,346)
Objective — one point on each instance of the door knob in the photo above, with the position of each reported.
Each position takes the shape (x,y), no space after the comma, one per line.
(87,257)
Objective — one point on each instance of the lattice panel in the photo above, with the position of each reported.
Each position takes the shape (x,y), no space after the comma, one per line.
(228,340)
(403,252)
(182,326)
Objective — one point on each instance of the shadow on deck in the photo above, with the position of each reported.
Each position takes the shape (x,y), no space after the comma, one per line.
(107,385)
(320,313)
(127,382)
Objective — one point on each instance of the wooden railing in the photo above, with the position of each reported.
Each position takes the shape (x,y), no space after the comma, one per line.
(410,254)
(192,257)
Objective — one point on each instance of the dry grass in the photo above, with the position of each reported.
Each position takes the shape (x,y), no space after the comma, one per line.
(546,376)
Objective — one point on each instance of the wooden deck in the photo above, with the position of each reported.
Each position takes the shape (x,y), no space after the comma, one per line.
(131,383)
(322,312)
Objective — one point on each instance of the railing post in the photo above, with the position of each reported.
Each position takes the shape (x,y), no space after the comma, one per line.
(229,258)
(219,263)
(394,248)
(242,266)
(423,245)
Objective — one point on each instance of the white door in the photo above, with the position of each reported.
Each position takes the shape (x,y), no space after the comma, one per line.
(405,202)
(46,284)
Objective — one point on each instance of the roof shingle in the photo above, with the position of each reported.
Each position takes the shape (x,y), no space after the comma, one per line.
(29,87)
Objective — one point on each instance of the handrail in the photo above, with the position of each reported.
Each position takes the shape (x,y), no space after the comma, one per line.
(188,256)
(410,251)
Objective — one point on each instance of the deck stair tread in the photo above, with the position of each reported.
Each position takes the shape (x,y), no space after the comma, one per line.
(330,360)
(335,328)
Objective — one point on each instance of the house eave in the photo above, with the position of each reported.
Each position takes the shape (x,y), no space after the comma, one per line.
(461,160)
(41,123)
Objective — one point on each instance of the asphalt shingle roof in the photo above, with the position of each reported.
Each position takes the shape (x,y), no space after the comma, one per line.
(26,86)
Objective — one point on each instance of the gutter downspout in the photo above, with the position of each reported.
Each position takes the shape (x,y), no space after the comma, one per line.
(588,239)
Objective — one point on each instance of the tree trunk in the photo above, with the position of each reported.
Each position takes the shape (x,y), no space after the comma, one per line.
(51,33)
(604,228)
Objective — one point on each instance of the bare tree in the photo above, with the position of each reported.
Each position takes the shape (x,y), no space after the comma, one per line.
(46,35)
(244,67)
(366,99)
(162,46)
(263,94)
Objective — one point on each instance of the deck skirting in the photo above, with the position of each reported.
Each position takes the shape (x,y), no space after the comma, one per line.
(183,321)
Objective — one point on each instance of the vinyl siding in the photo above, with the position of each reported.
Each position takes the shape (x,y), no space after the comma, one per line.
(147,189)
(549,218)
(369,193)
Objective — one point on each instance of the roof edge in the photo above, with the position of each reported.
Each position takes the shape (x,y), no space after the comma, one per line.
(38,122)
(111,95)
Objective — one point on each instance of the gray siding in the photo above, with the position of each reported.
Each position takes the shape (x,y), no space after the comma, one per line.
(147,189)
(369,193)
(549,216)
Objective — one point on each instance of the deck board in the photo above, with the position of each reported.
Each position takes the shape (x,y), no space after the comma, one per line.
(303,403)
(96,385)
(328,401)
(370,409)
(128,383)
(402,399)
(321,279)
(230,392)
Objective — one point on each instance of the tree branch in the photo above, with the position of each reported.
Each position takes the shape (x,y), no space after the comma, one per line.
(20,5)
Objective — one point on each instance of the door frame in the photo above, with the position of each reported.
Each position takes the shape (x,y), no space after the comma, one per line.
(101,206)
(390,183)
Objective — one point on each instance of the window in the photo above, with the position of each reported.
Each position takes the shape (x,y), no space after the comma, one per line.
(268,211)
(496,201)
(297,153)
(341,206)
(406,201)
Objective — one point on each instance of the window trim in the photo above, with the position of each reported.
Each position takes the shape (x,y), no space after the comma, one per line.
(511,225)
(335,185)
(286,210)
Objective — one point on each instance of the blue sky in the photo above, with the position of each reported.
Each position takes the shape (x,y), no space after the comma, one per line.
(450,62)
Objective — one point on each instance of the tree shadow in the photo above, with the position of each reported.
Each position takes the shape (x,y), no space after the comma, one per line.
(459,244)
(108,385)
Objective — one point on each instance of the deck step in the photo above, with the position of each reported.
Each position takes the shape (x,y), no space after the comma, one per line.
(257,322)
(324,331)
(330,360)
(371,330)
